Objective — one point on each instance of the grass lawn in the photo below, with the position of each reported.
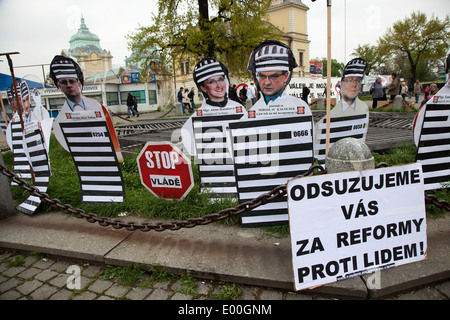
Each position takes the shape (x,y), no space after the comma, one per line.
(64,185)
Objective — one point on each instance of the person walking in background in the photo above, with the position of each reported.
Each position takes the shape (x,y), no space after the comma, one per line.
(433,88)
(417,90)
(191,99)
(305,93)
(394,86)
(404,90)
(180,98)
(186,101)
(135,106)
(251,93)
(130,104)
(377,89)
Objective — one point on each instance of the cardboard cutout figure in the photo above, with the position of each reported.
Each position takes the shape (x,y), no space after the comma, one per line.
(431,130)
(4,120)
(84,128)
(34,147)
(350,117)
(14,136)
(205,134)
(275,142)
(43,117)
(271,64)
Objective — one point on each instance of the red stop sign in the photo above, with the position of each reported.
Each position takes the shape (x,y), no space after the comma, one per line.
(165,170)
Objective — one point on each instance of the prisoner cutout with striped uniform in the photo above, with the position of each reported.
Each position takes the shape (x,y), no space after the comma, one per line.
(84,128)
(268,152)
(36,150)
(205,133)
(432,137)
(20,163)
(352,126)
(95,159)
(347,118)
(271,55)
(214,159)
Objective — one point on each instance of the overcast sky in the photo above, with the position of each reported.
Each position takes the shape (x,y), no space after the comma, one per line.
(39,30)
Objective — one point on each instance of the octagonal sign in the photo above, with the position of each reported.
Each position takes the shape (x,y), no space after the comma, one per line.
(165,171)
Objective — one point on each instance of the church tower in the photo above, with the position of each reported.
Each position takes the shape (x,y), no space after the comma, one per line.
(86,50)
(290,17)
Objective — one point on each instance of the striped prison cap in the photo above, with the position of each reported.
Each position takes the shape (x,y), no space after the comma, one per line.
(65,67)
(207,68)
(24,91)
(355,68)
(271,55)
(11,93)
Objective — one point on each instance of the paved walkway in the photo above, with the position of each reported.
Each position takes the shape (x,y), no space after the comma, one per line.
(40,277)
(202,263)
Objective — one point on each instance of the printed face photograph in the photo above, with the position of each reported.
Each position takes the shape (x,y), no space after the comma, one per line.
(215,87)
(350,88)
(71,87)
(272,82)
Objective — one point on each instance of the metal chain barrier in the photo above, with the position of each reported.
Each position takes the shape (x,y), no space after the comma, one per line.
(178,224)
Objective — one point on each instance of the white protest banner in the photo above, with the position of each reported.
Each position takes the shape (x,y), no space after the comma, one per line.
(347,224)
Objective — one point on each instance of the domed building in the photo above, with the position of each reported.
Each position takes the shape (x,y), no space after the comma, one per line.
(86,50)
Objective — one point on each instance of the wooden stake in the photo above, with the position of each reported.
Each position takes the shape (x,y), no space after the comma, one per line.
(327,145)
(18,102)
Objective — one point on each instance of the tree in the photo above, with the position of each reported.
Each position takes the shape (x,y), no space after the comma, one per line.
(419,40)
(186,29)
(336,67)
(370,54)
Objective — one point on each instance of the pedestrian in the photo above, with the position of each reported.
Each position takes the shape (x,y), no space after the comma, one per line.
(233,95)
(251,93)
(305,93)
(135,106)
(417,90)
(191,99)
(377,91)
(394,86)
(186,101)
(243,94)
(433,88)
(404,90)
(130,105)
(427,93)
(180,98)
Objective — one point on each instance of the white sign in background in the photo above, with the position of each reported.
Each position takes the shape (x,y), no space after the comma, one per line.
(347,224)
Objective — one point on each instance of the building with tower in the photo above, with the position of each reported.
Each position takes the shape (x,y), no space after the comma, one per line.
(86,50)
(290,17)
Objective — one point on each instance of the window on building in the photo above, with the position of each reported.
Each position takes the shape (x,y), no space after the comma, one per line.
(56,103)
(301,55)
(140,96)
(184,67)
(152,97)
(97,97)
(112,98)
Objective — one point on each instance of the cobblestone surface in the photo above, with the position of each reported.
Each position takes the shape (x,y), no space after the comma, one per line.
(37,277)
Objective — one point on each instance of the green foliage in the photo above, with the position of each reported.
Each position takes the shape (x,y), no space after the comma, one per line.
(65,186)
(228,291)
(403,154)
(417,41)
(186,29)
(127,276)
